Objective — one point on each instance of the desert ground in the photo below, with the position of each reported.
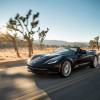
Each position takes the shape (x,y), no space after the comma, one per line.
(8,55)
(16,83)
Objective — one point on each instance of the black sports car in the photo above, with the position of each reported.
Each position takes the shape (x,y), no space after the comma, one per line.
(63,61)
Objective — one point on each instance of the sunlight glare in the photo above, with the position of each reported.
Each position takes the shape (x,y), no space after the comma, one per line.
(3,30)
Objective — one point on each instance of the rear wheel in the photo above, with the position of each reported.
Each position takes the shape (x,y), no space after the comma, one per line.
(66,69)
(94,62)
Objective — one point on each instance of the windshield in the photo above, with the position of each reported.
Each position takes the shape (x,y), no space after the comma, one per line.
(66,51)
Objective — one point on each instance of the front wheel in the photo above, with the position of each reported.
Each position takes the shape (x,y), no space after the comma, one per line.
(94,62)
(66,69)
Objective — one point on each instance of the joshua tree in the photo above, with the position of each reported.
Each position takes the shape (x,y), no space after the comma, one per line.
(97,41)
(42,35)
(24,26)
(13,38)
(92,43)
(6,37)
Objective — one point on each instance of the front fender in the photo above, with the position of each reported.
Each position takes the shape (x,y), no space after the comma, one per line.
(69,59)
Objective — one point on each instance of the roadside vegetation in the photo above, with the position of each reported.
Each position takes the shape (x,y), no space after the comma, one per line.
(94,43)
(27,26)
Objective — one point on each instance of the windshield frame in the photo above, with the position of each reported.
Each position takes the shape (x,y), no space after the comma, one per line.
(66,50)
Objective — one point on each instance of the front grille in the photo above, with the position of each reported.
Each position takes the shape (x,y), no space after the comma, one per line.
(32,68)
(43,69)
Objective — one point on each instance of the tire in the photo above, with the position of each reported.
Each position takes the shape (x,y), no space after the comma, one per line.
(66,69)
(94,62)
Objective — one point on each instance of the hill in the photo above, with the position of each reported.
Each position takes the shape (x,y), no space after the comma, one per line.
(61,43)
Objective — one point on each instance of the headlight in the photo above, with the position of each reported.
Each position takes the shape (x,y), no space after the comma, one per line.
(30,59)
(53,60)
(33,59)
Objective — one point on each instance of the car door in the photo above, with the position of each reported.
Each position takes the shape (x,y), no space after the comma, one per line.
(82,58)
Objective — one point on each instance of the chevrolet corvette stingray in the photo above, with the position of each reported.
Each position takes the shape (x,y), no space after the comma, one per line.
(62,61)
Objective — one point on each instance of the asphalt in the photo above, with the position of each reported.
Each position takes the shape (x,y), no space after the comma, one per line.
(18,84)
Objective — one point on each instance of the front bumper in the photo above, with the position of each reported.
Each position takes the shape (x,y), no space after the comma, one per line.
(50,69)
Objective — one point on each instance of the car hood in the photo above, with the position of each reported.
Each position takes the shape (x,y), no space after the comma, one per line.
(42,59)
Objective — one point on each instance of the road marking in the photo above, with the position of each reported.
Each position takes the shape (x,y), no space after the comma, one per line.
(57,86)
(60,87)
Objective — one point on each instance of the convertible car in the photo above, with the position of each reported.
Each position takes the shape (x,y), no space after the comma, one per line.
(62,61)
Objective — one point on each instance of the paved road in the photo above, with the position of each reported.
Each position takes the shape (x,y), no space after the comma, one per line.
(18,84)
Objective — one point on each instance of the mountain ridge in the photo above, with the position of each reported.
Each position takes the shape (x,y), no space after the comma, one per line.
(62,43)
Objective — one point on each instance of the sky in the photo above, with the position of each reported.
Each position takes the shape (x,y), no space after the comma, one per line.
(68,20)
